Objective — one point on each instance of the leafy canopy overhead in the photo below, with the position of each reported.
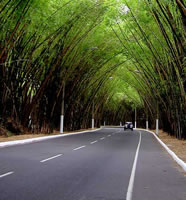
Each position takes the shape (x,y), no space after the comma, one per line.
(49,45)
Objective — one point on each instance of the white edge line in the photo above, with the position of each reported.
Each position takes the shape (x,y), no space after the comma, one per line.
(42,161)
(79,148)
(7,174)
(93,142)
(132,176)
(173,155)
(27,141)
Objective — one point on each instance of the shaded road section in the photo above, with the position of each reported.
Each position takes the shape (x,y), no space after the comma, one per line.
(90,166)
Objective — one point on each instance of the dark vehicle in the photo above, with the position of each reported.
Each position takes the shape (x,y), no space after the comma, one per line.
(128,125)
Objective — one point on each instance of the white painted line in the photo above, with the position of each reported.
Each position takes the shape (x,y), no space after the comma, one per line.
(79,148)
(117,131)
(42,161)
(132,176)
(93,142)
(112,128)
(7,174)
(102,138)
(108,135)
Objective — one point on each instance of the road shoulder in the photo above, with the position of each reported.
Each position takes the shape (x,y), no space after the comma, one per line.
(157,176)
(166,144)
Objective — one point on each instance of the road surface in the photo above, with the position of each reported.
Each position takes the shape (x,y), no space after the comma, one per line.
(108,164)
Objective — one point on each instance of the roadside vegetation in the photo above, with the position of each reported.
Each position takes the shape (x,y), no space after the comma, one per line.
(112,57)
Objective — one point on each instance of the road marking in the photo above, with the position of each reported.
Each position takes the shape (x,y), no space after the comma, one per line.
(7,174)
(102,138)
(132,176)
(116,132)
(93,142)
(108,135)
(42,161)
(79,148)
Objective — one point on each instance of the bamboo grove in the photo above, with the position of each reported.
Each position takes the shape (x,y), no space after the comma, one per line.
(111,57)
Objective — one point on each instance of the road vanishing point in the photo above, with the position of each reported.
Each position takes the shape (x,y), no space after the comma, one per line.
(108,164)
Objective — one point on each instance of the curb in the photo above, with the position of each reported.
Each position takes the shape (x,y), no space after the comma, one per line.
(27,141)
(180,162)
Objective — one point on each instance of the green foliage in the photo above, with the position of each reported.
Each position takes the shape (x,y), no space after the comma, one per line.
(82,43)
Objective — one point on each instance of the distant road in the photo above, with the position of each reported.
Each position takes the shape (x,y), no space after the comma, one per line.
(108,164)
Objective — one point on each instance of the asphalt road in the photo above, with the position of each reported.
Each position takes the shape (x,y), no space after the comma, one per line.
(91,166)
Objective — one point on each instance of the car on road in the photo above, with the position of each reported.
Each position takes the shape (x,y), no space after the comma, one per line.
(128,125)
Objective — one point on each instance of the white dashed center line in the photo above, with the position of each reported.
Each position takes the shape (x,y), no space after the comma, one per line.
(42,161)
(108,135)
(7,174)
(93,142)
(79,148)
(102,138)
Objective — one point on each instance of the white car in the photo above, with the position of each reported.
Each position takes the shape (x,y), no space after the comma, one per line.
(128,125)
